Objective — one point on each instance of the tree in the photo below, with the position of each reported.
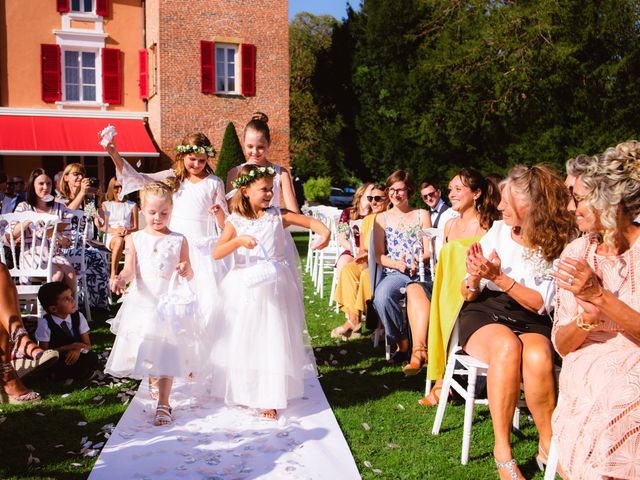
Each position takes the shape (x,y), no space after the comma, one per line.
(231,154)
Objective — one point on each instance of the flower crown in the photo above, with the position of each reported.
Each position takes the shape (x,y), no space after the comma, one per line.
(209,150)
(256,173)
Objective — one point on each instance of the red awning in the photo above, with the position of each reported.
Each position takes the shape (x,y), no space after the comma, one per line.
(71,136)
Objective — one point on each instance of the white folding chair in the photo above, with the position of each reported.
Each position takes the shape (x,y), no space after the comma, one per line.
(31,263)
(80,226)
(328,256)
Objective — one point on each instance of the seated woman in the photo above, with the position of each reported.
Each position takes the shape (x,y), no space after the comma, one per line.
(40,200)
(12,390)
(398,248)
(596,425)
(354,284)
(359,209)
(476,201)
(26,355)
(509,294)
(120,218)
(77,193)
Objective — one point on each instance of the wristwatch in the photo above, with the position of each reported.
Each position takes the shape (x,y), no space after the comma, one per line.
(84,350)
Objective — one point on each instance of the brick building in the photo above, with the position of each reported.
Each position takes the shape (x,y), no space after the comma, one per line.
(156,69)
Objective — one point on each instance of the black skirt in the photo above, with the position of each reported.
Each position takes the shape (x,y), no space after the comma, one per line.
(498,307)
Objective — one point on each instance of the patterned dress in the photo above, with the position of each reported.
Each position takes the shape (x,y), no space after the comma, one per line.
(596,424)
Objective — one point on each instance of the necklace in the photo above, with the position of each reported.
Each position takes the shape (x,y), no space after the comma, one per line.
(462,226)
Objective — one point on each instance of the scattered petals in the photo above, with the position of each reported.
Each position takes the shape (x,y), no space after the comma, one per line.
(30,447)
(393,445)
(367,464)
(400,406)
(40,414)
(82,424)
(366,426)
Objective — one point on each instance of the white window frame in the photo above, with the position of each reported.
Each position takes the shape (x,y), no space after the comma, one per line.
(92,11)
(98,70)
(236,73)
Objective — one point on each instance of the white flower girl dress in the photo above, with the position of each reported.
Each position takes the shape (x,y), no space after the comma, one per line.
(148,342)
(260,356)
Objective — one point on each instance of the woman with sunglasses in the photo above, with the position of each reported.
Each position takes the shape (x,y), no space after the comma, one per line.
(359,209)
(399,248)
(120,219)
(596,330)
(353,289)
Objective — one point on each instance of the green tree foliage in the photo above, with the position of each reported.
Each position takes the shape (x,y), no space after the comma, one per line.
(433,85)
(317,189)
(231,154)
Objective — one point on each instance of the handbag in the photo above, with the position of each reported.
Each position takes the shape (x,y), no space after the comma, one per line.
(262,272)
(178,304)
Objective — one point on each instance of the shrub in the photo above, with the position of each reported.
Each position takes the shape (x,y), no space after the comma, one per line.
(231,154)
(317,189)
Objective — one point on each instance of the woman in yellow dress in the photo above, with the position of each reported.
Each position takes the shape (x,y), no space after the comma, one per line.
(476,199)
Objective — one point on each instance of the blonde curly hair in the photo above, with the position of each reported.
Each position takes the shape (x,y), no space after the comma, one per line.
(612,180)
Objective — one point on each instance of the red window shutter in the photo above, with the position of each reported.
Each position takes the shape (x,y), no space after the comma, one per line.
(62,6)
(207,67)
(144,74)
(102,7)
(111,83)
(51,78)
(248,62)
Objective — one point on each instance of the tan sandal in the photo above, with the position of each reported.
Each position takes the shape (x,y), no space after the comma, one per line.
(433,398)
(346,333)
(163,415)
(413,368)
(7,374)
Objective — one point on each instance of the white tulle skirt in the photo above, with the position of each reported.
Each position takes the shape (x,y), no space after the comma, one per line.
(260,358)
(148,344)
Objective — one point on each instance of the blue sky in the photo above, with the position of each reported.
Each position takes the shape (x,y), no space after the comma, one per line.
(337,8)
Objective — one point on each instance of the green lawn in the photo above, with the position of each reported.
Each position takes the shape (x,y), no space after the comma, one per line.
(388,431)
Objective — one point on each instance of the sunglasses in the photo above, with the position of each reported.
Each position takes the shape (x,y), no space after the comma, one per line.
(576,197)
(376,198)
(117,187)
(429,195)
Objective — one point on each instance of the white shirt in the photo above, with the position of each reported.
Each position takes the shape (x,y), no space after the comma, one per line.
(518,263)
(43,334)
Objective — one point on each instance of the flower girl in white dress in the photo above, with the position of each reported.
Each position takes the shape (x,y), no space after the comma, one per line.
(150,341)
(198,204)
(262,326)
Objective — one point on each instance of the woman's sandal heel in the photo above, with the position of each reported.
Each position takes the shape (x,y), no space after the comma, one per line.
(413,368)
(347,333)
(511,466)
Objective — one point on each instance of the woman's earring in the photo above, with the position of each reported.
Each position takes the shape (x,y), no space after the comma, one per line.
(475,205)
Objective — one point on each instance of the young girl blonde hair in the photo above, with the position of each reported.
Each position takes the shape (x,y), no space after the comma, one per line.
(157,189)
(196,140)
(239,203)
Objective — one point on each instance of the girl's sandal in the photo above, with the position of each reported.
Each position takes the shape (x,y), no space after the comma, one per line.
(269,414)
(419,353)
(433,398)
(163,415)
(512,468)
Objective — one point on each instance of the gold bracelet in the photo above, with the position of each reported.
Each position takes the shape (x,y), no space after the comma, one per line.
(583,326)
(510,286)
(471,289)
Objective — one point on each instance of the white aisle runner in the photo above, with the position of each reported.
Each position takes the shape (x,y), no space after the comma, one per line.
(216,442)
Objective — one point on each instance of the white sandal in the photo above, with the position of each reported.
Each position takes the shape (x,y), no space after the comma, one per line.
(163,415)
